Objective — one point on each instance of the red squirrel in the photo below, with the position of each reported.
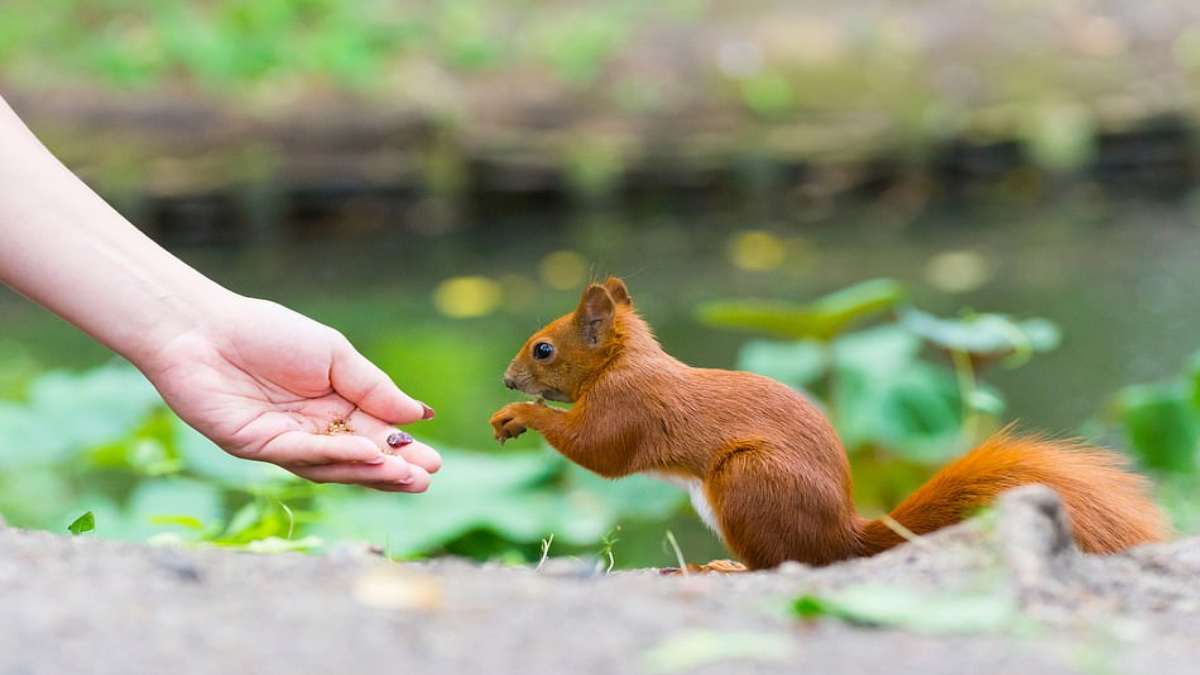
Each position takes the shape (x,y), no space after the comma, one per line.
(764,467)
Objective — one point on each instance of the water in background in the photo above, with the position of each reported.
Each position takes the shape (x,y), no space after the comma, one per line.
(1120,278)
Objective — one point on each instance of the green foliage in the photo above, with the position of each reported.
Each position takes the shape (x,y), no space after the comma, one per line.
(769,94)
(1162,421)
(884,395)
(1161,424)
(984,337)
(230,44)
(577,42)
(84,523)
(102,442)
(922,612)
(823,319)
(878,387)
(521,497)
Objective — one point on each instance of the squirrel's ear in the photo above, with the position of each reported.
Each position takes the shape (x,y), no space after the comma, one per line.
(595,313)
(618,291)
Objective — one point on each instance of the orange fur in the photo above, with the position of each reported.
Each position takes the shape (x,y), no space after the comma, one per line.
(768,462)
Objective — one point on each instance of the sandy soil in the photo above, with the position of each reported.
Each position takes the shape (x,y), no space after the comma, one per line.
(85,605)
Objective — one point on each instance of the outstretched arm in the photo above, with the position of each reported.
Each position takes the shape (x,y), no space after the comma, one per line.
(605,446)
(261,381)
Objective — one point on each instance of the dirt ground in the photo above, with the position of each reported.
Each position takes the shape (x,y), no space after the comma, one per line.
(75,605)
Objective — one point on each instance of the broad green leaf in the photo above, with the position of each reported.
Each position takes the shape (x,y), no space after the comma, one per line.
(523,497)
(38,496)
(985,336)
(24,441)
(170,503)
(187,522)
(1162,425)
(797,364)
(883,396)
(245,518)
(84,523)
(823,319)
(69,412)
(94,407)
(585,507)
(474,490)
(918,611)
(882,350)
(634,497)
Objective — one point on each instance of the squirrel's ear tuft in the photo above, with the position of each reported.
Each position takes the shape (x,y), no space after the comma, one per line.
(595,313)
(618,291)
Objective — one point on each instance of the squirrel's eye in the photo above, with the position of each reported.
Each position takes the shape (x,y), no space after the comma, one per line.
(543,351)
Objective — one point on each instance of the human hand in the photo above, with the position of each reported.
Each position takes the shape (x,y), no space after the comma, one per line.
(266,383)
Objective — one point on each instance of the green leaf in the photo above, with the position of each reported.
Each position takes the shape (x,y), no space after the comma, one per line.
(522,497)
(922,612)
(170,502)
(187,522)
(70,412)
(246,517)
(797,364)
(822,319)
(984,336)
(811,607)
(474,491)
(883,396)
(84,523)
(1162,425)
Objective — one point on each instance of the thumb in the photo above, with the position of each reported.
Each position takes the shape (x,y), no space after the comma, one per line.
(362,383)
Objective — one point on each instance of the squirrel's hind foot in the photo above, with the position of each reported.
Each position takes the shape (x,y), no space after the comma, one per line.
(714,567)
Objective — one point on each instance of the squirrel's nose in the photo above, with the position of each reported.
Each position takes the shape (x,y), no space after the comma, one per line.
(509,382)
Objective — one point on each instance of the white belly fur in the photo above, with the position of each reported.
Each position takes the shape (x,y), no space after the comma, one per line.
(695,490)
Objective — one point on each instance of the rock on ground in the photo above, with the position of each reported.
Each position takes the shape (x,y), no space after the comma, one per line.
(75,605)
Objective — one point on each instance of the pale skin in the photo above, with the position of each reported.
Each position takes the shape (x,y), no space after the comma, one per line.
(263,382)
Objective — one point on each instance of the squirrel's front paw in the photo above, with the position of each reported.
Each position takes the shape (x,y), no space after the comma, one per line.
(510,421)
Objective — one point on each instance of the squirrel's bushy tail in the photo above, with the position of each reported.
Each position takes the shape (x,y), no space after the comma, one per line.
(1110,508)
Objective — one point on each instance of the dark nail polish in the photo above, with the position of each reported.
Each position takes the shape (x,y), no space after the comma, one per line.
(427,412)
(399,439)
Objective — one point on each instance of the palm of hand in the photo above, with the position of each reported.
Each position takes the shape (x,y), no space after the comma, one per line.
(281,388)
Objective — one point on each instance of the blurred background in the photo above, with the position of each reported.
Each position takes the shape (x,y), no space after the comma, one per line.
(1000,197)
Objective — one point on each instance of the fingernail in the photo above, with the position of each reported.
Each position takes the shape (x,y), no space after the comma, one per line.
(399,439)
(427,412)
(377,459)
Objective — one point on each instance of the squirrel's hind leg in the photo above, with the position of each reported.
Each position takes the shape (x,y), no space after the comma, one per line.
(770,509)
